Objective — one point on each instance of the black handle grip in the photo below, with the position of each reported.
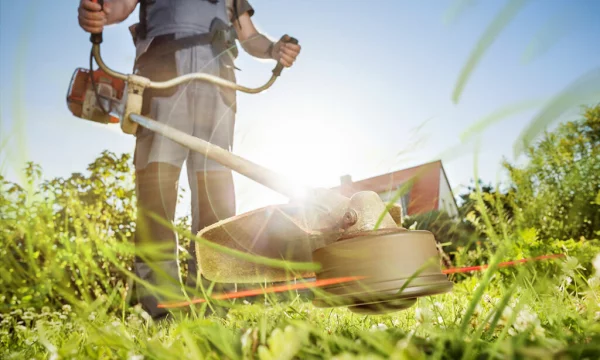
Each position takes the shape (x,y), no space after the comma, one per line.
(97,38)
(279,68)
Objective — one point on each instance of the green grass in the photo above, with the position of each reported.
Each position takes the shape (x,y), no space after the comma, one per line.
(66,284)
(518,321)
(66,289)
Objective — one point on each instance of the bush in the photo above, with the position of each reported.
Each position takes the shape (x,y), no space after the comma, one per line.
(65,240)
(69,240)
(551,204)
(558,191)
(450,233)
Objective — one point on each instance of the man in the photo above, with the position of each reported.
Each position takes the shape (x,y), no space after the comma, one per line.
(199,108)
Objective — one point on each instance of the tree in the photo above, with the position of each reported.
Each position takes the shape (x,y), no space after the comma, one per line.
(495,205)
(558,191)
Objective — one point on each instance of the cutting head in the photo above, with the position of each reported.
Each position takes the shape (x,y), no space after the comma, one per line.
(396,265)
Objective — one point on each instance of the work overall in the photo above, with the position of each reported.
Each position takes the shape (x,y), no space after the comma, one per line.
(196,108)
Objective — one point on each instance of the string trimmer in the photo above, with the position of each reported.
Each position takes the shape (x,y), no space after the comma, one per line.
(356,237)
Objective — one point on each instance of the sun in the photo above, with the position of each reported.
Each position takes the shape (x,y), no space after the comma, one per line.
(307,152)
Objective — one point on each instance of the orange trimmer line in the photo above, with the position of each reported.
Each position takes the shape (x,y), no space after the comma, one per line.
(325,282)
(502,264)
(254,292)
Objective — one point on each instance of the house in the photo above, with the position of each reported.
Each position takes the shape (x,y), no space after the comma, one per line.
(429,191)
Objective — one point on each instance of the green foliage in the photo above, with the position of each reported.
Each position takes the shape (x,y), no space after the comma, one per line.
(495,204)
(550,206)
(66,239)
(450,233)
(557,191)
(106,196)
(466,238)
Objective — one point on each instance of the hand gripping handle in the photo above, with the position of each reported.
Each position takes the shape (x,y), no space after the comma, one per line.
(279,67)
(97,38)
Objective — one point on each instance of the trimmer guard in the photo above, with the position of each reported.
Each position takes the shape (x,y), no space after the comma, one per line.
(276,232)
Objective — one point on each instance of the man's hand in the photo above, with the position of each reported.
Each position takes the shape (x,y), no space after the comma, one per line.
(285,52)
(92,16)
(260,46)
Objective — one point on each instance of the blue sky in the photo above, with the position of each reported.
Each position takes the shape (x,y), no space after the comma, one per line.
(370,93)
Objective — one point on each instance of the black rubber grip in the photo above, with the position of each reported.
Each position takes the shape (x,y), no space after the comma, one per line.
(97,38)
(279,68)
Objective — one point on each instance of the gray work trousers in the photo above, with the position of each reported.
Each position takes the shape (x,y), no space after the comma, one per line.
(199,109)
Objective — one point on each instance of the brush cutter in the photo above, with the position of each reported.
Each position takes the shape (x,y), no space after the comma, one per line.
(356,237)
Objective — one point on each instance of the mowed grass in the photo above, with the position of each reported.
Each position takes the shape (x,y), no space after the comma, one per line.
(545,311)
(66,290)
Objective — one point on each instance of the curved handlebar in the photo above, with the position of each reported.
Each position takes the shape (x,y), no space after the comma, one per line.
(185,78)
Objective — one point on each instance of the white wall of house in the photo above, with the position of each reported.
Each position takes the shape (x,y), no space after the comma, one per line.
(446,200)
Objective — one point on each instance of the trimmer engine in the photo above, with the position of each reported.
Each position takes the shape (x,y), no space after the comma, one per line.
(96,96)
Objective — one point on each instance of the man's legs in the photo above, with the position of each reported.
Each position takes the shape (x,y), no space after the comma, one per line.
(213,200)
(158,163)
(213,195)
(156,188)
(198,109)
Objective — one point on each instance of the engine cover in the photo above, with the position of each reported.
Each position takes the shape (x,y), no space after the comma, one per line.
(104,104)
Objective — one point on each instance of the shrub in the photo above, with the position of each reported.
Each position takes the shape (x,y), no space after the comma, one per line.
(558,191)
(66,239)
(450,233)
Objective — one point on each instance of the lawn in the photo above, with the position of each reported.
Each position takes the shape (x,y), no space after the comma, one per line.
(558,318)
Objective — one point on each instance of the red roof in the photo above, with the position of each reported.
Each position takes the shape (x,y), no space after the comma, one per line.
(424,193)
(390,181)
